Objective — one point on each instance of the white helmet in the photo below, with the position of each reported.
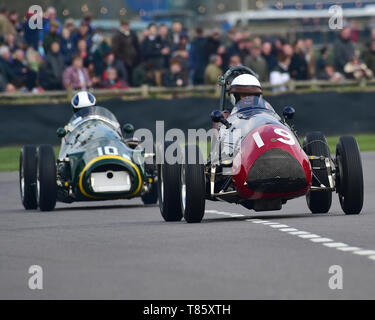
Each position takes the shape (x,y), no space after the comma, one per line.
(244,84)
(83,99)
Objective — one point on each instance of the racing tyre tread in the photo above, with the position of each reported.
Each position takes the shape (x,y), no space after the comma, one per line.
(28,171)
(194,208)
(168,190)
(47,178)
(350,181)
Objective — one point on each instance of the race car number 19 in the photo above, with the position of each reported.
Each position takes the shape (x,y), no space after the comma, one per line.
(286,137)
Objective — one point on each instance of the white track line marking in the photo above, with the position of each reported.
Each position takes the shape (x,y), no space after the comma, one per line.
(298,233)
(228,214)
(348,249)
(335,245)
(277,226)
(288,229)
(327,242)
(365,252)
(309,236)
(321,240)
(257,221)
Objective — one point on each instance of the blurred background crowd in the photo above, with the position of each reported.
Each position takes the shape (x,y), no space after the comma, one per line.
(73,54)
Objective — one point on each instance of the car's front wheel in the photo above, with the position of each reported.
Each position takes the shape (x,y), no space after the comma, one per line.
(27,177)
(349,175)
(193,185)
(315,144)
(168,189)
(46,178)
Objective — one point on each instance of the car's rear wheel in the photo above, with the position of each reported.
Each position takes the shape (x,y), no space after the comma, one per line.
(168,189)
(349,175)
(27,177)
(315,144)
(193,185)
(46,178)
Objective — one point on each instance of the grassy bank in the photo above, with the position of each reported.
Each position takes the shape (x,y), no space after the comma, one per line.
(9,156)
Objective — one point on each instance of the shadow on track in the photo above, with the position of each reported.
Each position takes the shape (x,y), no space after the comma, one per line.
(131,206)
(270,217)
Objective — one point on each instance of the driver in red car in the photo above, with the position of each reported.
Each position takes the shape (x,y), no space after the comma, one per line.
(246,92)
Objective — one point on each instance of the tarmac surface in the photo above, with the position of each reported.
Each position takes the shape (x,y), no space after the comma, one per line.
(123,250)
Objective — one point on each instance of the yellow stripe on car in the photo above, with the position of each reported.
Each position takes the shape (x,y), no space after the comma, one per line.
(80,184)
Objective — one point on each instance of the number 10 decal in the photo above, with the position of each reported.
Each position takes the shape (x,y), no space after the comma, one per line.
(107,150)
(286,137)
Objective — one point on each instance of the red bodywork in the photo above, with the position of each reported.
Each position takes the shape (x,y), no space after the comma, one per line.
(251,151)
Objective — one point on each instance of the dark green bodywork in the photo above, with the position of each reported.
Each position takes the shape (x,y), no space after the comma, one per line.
(94,140)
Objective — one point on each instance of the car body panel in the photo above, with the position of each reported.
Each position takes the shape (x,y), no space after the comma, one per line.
(94,144)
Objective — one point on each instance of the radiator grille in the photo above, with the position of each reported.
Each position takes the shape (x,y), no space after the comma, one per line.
(276,171)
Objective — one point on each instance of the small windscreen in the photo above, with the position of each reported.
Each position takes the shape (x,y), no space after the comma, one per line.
(251,104)
(93,112)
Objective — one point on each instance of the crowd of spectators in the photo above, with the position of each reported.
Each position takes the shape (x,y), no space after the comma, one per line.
(66,55)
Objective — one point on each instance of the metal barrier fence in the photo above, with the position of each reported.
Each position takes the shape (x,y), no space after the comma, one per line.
(150,92)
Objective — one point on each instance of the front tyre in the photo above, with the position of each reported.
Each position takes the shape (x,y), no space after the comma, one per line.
(315,144)
(168,189)
(193,185)
(349,175)
(27,177)
(46,178)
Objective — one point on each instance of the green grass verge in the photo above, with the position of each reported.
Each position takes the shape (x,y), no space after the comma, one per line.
(366,142)
(9,156)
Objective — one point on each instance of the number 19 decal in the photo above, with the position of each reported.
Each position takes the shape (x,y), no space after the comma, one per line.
(286,137)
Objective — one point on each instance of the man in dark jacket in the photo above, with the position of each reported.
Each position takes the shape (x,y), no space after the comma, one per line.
(52,36)
(151,47)
(25,77)
(343,50)
(51,72)
(166,45)
(126,47)
(198,56)
(298,65)
(32,36)
(84,33)
(213,44)
(174,77)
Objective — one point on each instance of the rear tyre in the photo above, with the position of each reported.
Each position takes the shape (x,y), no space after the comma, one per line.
(27,177)
(349,175)
(193,186)
(315,144)
(46,178)
(168,189)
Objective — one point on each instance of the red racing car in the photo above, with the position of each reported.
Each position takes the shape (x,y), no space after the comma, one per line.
(262,166)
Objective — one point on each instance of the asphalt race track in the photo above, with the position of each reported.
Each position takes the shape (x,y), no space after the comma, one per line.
(123,250)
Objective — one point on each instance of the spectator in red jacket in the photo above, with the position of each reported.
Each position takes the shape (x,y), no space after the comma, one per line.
(77,76)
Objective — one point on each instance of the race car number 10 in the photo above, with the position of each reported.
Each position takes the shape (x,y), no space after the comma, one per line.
(107,150)
(286,137)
